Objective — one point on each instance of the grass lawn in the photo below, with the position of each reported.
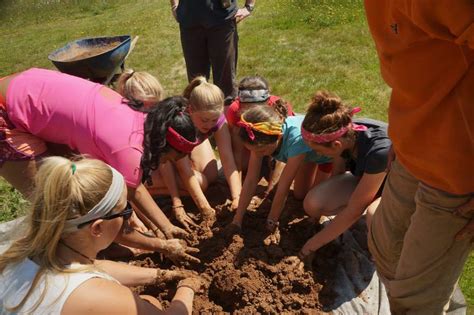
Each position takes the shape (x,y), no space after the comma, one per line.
(300,46)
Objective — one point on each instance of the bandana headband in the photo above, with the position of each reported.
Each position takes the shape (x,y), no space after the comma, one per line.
(253,96)
(179,142)
(328,137)
(273,129)
(105,205)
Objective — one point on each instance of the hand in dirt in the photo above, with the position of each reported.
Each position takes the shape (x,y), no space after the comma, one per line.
(297,263)
(208,217)
(178,251)
(195,283)
(174,232)
(307,258)
(271,225)
(231,229)
(183,218)
(273,238)
(172,275)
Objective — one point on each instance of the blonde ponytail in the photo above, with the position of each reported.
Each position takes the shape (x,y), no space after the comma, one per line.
(204,96)
(63,190)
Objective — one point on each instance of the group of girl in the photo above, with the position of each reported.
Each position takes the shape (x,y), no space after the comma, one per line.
(153,145)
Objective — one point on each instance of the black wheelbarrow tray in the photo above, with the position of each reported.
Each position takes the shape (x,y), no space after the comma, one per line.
(96,58)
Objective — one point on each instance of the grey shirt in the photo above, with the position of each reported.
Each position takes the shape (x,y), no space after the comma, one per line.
(372,148)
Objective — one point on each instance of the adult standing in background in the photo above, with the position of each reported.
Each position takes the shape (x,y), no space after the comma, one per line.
(422,232)
(209,38)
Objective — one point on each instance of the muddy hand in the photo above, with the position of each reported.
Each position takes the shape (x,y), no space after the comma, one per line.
(307,258)
(172,275)
(183,218)
(273,238)
(208,217)
(195,283)
(231,229)
(178,251)
(174,232)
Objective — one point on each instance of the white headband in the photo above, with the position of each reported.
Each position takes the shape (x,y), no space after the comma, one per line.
(253,96)
(104,206)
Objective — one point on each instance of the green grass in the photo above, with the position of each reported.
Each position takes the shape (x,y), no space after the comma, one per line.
(300,46)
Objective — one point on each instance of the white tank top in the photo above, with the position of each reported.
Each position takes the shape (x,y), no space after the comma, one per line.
(16,280)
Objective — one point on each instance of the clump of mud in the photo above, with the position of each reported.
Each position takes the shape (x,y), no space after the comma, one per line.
(252,271)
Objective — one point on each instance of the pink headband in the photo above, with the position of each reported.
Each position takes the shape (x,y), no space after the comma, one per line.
(180,143)
(328,137)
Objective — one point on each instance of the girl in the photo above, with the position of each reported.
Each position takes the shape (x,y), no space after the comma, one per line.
(329,129)
(206,105)
(40,105)
(253,91)
(78,208)
(141,89)
(265,132)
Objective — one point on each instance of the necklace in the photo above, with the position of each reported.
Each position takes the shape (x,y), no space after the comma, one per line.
(77,252)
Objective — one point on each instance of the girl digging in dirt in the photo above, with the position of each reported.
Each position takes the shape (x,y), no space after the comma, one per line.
(40,105)
(265,131)
(253,91)
(206,105)
(78,208)
(363,144)
(141,89)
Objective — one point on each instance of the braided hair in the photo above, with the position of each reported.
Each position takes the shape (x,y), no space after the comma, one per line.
(171,112)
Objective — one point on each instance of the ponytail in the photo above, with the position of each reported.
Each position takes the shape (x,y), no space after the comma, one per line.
(204,96)
(63,190)
(139,89)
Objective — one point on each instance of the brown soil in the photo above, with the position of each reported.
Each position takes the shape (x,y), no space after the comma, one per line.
(247,273)
(77,52)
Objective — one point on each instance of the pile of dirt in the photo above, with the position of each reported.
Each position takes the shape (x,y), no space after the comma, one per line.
(253,271)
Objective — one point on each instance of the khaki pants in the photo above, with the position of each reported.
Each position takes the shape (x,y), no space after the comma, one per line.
(412,241)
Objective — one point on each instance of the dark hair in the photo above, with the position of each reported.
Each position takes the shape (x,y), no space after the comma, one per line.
(327,113)
(171,112)
(253,83)
(259,114)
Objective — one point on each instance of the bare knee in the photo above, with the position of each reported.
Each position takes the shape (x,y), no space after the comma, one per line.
(312,206)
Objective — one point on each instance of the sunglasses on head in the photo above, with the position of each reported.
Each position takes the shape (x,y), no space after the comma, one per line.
(126,213)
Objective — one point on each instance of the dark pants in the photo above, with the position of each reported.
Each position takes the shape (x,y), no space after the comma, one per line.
(214,47)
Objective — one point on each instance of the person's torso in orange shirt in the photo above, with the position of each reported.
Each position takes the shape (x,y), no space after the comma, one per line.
(431,113)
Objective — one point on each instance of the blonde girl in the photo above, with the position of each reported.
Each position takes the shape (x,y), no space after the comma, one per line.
(206,105)
(78,208)
(140,89)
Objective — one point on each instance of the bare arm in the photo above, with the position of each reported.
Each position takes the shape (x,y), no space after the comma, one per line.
(189,179)
(248,189)
(168,173)
(362,196)
(237,147)
(142,199)
(224,145)
(284,184)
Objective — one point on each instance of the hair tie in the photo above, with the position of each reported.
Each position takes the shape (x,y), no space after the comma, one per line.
(73,168)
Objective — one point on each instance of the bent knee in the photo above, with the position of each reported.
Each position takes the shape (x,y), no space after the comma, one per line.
(312,206)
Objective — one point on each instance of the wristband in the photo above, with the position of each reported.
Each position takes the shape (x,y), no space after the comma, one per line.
(177,207)
(185,286)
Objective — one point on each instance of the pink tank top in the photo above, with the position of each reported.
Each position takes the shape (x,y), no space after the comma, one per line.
(86,116)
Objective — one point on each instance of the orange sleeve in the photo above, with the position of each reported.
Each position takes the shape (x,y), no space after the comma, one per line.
(444,19)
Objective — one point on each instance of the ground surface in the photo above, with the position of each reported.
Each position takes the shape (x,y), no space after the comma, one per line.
(251,271)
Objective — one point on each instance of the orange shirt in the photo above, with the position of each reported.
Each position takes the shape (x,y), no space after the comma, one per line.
(426,52)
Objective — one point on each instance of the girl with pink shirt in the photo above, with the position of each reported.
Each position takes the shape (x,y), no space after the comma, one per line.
(39,106)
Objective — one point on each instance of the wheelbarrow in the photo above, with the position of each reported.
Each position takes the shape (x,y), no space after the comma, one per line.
(97,59)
